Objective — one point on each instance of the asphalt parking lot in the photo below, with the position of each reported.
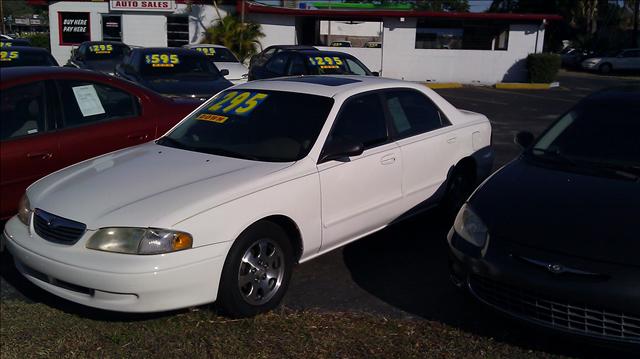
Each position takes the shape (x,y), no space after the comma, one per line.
(402,271)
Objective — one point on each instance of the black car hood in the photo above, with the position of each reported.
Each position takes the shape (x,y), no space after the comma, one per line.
(186,86)
(577,214)
(106,66)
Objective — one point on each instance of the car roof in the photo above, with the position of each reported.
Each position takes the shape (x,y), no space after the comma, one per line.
(104,42)
(176,50)
(325,85)
(10,73)
(26,49)
(292,47)
(323,52)
(191,46)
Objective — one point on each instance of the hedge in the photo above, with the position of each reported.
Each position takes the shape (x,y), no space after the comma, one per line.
(543,68)
(39,39)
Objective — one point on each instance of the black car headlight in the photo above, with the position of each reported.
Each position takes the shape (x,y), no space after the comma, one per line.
(470,227)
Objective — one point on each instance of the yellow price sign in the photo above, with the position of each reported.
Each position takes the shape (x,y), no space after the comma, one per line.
(212,118)
(334,61)
(9,55)
(162,60)
(209,51)
(101,48)
(5,44)
(240,103)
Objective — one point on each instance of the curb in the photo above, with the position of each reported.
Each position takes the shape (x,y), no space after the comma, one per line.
(522,86)
(443,85)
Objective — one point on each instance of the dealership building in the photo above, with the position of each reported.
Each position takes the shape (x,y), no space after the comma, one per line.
(473,48)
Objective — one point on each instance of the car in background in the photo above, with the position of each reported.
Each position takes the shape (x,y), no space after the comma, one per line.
(572,57)
(173,72)
(623,60)
(18,56)
(263,175)
(52,117)
(340,44)
(552,238)
(14,42)
(264,56)
(224,59)
(102,56)
(309,62)
(373,44)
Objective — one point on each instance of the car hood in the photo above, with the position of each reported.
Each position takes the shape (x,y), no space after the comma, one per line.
(147,185)
(106,66)
(186,87)
(236,69)
(576,214)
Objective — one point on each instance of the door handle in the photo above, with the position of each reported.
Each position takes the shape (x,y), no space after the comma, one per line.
(40,155)
(138,137)
(388,159)
(452,140)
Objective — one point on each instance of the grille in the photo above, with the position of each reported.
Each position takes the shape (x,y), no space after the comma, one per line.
(57,229)
(572,317)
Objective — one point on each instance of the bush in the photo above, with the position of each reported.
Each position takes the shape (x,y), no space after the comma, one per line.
(543,68)
(39,39)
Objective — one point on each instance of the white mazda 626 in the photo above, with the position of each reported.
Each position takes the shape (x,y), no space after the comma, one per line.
(260,177)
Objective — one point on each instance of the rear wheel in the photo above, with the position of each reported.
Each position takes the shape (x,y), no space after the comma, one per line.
(256,272)
(605,68)
(460,186)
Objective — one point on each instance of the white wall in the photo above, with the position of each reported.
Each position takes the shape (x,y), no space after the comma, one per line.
(278,30)
(148,30)
(201,17)
(403,61)
(62,53)
(371,57)
(369,28)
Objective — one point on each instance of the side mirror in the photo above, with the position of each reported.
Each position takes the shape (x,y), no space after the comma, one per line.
(224,72)
(375,73)
(341,149)
(524,139)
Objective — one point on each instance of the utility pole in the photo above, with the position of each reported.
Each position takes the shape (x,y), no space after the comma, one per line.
(636,14)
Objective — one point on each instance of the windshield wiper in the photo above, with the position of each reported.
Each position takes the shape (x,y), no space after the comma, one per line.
(554,155)
(623,170)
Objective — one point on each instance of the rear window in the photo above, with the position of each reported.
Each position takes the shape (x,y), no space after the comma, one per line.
(106,51)
(12,58)
(169,63)
(334,65)
(217,54)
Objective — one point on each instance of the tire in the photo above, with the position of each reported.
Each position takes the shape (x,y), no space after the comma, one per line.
(605,68)
(459,188)
(256,272)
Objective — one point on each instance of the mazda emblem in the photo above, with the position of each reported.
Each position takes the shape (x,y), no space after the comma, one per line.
(555,268)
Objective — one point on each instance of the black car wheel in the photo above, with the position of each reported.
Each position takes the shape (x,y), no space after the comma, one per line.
(256,272)
(460,187)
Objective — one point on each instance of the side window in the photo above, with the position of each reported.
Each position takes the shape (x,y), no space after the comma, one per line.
(296,66)
(362,119)
(413,113)
(277,64)
(355,68)
(23,111)
(88,102)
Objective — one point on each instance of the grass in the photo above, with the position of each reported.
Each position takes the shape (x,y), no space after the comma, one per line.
(33,330)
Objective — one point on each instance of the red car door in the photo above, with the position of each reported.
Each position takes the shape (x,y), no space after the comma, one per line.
(99,117)
(29,145)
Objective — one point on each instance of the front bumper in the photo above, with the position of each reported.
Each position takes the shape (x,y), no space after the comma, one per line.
(112,281)
(604,306)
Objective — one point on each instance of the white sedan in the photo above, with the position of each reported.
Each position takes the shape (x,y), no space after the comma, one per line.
(260,177)
(224,59)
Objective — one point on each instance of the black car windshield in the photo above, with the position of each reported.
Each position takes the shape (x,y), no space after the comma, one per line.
(594,134)
(13,58)
(173,64)
(106,51)
(259,125)
(217,54)
(334,65)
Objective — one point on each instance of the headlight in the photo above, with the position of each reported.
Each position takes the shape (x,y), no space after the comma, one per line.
(132,240)
(470,227)
(24,210)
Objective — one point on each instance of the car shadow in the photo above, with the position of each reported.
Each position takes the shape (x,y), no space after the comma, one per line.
(406,266)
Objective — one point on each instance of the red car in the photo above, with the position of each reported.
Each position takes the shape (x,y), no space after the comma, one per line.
(53,117)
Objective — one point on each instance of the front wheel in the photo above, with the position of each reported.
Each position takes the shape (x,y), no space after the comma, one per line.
(460,187)
(256,272)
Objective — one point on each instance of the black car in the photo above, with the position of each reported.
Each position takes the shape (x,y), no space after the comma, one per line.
(25,56)
(174,72)
(14,42)
(308,62)
(264,56)
(552,238)
(101,56)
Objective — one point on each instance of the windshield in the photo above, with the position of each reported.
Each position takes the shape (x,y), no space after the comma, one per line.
(259,125)
(14,58)
(162,64)
(106,51)
(594,134)
(217,54)
(335,65)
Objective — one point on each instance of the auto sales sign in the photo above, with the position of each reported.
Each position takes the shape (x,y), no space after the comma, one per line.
(142,5)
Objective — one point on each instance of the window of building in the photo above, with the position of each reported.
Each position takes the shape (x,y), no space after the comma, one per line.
(461,35)
(177,30)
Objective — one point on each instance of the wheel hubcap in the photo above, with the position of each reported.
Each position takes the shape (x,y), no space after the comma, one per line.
(261,271)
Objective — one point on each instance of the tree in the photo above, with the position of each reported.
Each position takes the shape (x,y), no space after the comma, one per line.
(241,39)
(442,5)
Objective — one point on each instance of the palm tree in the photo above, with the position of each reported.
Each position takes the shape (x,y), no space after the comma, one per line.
(240,38)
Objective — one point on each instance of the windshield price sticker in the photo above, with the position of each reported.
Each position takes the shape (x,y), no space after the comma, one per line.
(212,118)
(162,60)
(326,62)
(5,44)
(9,55)
(239,103)
(209,51)
(101,49)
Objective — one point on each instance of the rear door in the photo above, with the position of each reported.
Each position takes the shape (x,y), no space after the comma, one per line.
(29,143)
(100,118)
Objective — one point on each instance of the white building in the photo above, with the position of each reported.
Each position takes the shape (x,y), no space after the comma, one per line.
(473,48)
